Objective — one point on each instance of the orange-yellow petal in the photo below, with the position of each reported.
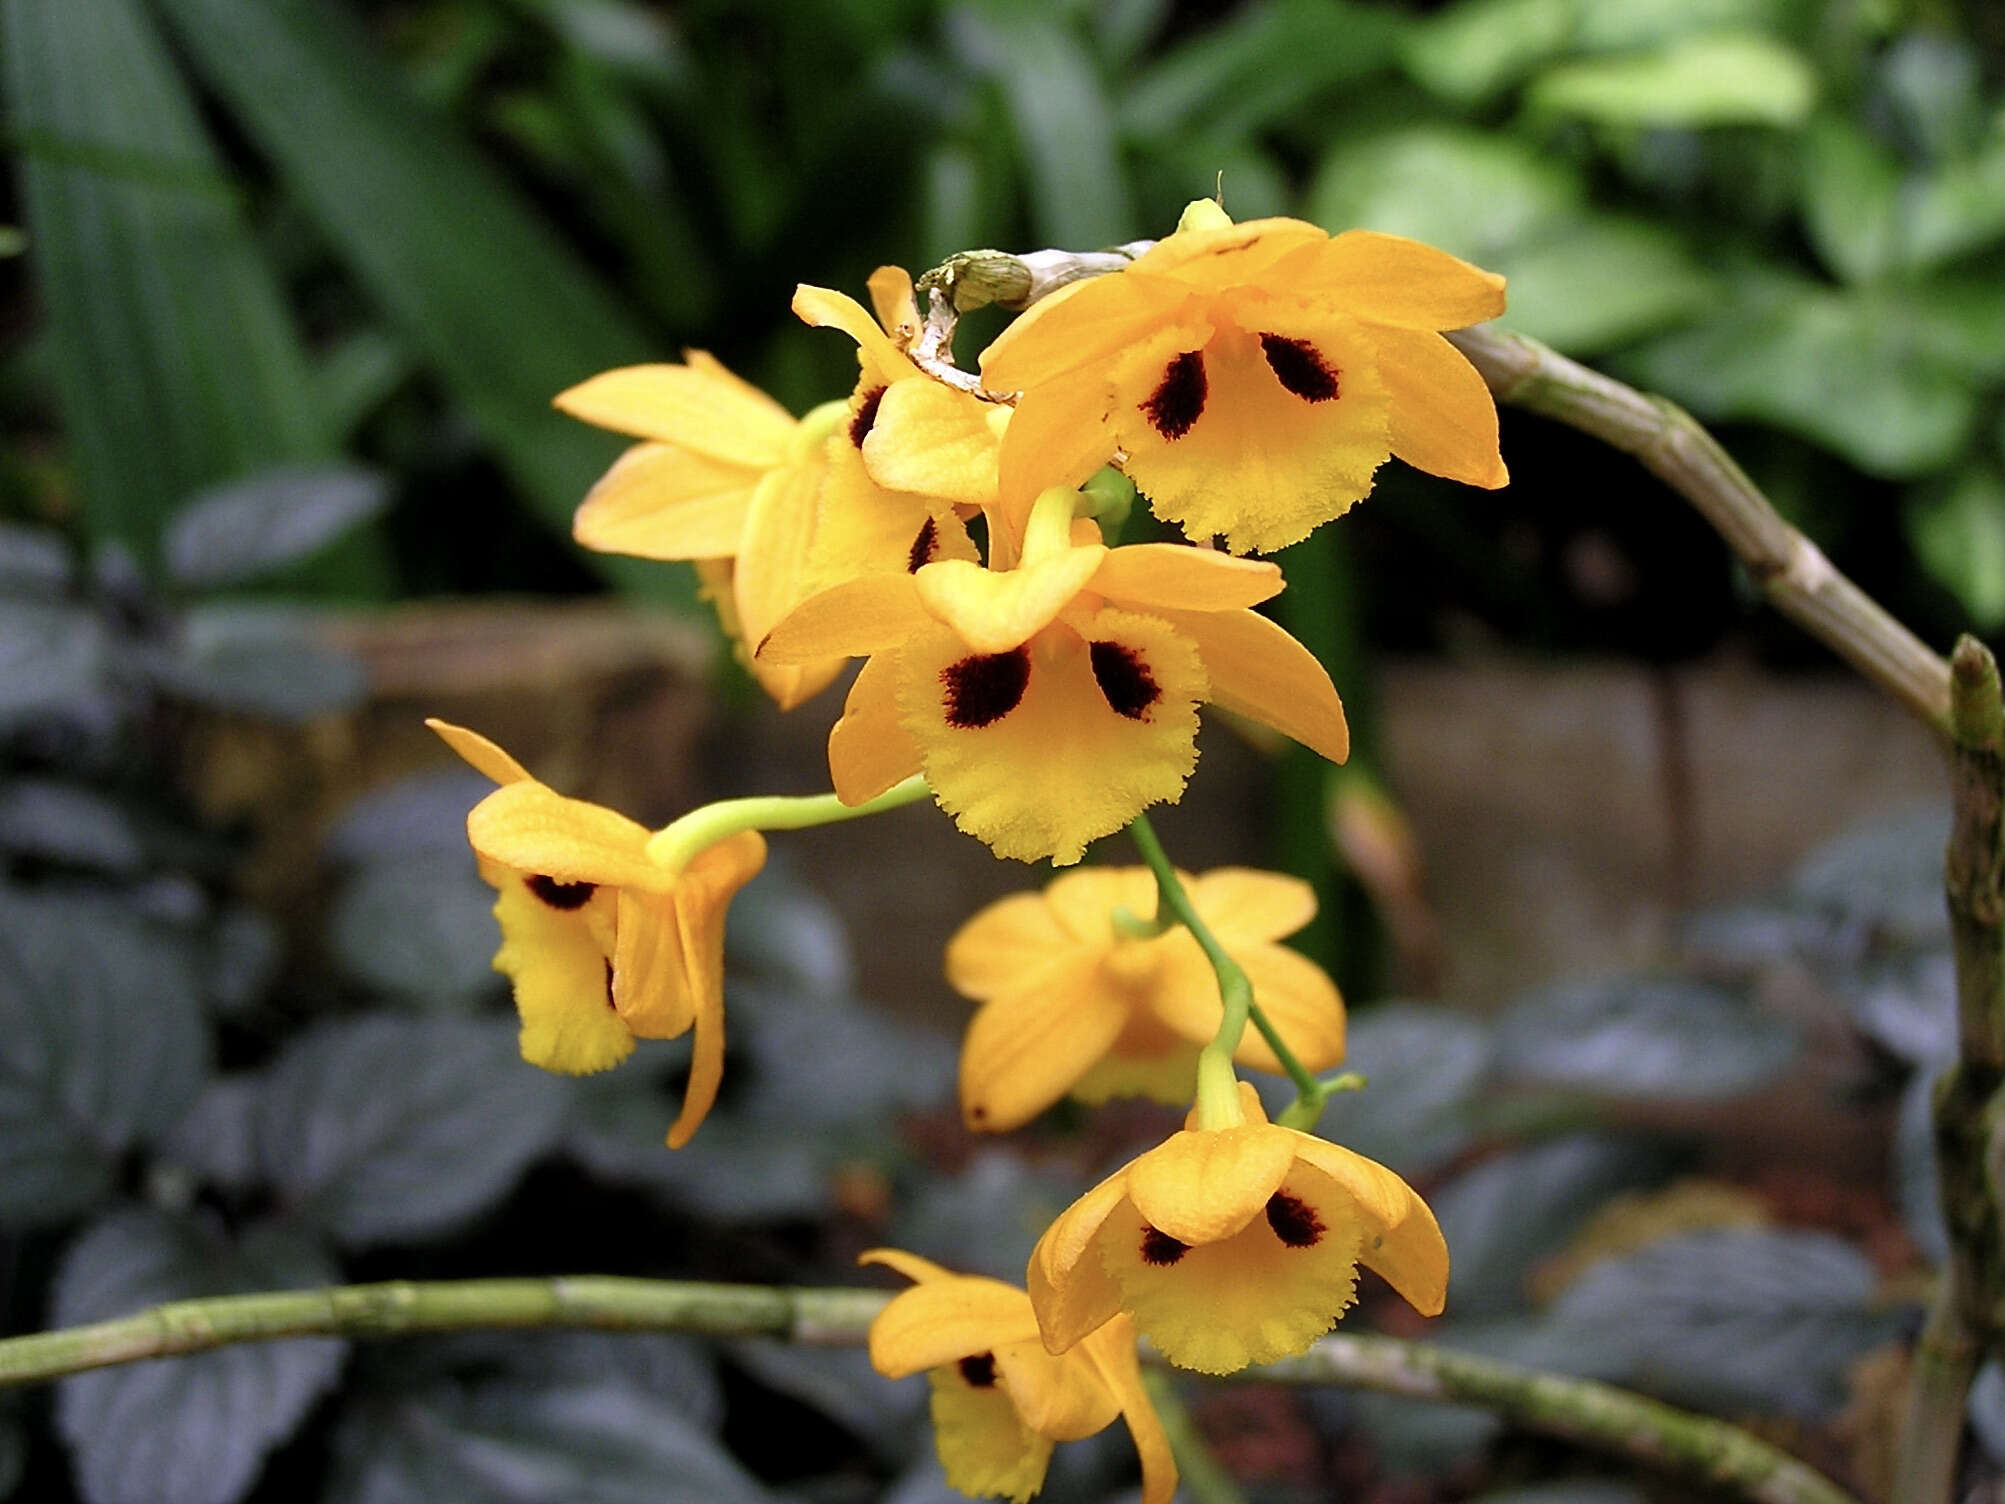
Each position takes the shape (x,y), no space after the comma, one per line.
(1085,900)
(1444,420)
(919,1271)
(934,440)
(1079,325)
(851,620)
(1259,429)
(985,1448)
(659,501)
(1295,994)
(1005,944)
(1229,256)
(561,978)
(869,748)
(699,406)
(703,891)
(941,1320)
(1392,280)
(1025,1048)
(1060,1397)
(1402,1241)
(864,528)
(825,308)
(1203,1185)
(892,301)
(1069,1288)
(1143,576)
(1264,1291)
(1244,904)
(1111,1350)
(536,830)
(1258,670)
(648,981)
(1057,436)
(995,611)
(1027,751)
(482,754)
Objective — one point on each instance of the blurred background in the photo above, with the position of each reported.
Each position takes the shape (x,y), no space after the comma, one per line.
(288,286)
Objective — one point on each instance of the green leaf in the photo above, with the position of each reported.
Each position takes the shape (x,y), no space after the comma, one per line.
(1851,188)
(419,928)
(102,1046)
(1505,1215)
(1471,50)
(1728,78)
(61,822)
(391,1129)
(1423,1065)
(175,359)
(986,1218)
(811,1084)
(493,303)
(515,1442)
(1736,1319)
(256,660)
(52,662)
(229,534)
(1661,1038)
(1880,883)
(1476,194)
(1600,281)
(35,562)
(1078,187)
(1255,69)
(188,1430)
(1958,532)
(1854,372)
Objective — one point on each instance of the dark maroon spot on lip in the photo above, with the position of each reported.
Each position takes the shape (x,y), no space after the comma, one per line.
(1160,1249)
(866,416)
(1300,367)
(1178,400)
(979,1369)
(924,547)
(983,689)
(565,896)
(609,987)
(1124,679)
(1294,1221)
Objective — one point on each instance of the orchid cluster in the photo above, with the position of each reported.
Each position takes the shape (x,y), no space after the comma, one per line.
(1041,681)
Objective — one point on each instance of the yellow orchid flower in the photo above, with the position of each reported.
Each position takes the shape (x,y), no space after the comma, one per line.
(999,1399)
(1253,375)
(1071,1004)
(1234,1245)
(724,476)
(911,451)
(604,942)
(1049,704)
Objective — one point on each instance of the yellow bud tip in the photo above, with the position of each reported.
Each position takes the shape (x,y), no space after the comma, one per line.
(1203,214)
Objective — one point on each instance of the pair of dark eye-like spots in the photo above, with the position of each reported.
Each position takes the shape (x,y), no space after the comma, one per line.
(981,690)
(1178,401)
(1293,1220)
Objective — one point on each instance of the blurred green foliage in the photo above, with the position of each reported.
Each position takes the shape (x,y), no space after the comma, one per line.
(275,233)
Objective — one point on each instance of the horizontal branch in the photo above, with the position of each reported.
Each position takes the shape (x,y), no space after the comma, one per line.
(1792,571)
(1583,1410)
(1575,1408)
